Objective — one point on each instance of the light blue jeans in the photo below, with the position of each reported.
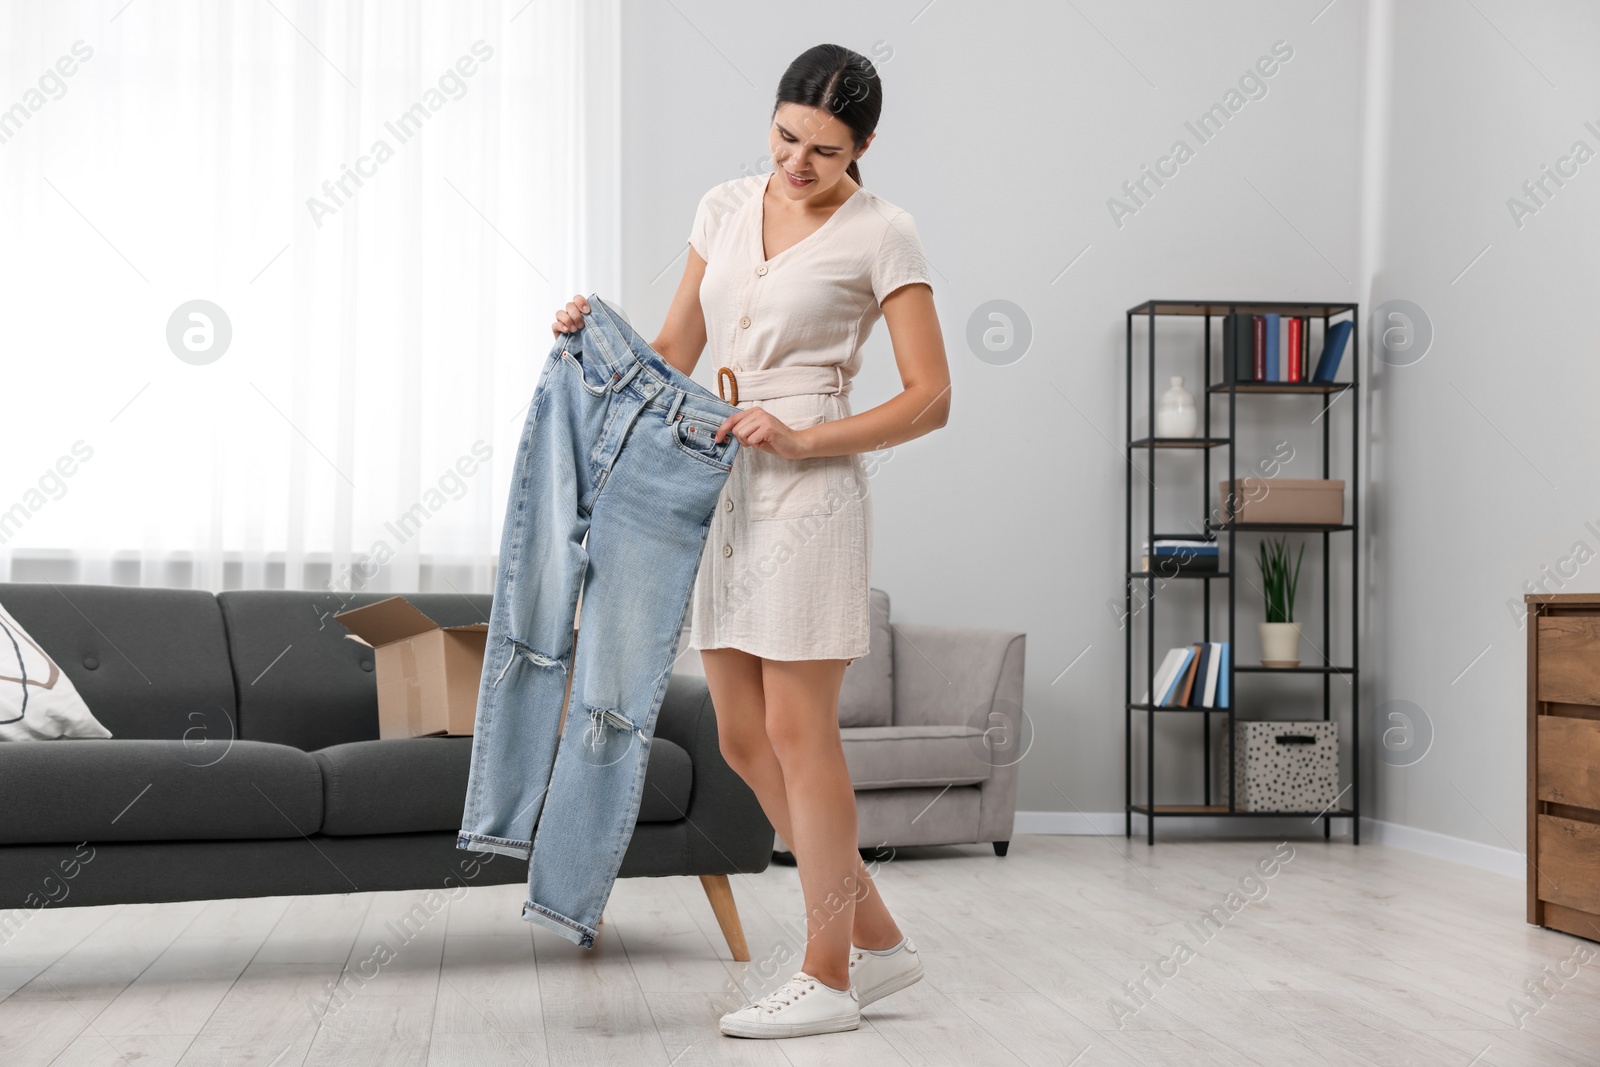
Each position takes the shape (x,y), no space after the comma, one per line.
(617,444)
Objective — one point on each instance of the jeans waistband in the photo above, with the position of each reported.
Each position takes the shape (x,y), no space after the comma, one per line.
(773,382)
(608,336)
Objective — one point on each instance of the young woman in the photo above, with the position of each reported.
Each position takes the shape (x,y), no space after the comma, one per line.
(787,273)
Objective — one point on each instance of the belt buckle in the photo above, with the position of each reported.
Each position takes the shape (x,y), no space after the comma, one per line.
(732,378)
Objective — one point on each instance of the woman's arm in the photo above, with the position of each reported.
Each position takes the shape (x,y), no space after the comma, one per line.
(683,335)
(923,405)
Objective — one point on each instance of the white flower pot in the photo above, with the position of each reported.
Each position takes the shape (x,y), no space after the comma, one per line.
(1280,644)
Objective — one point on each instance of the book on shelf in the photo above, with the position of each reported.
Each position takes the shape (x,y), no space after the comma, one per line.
(1192,699)
(1175,545)
(1209,693)
(1275,348)
(1269,328)
(1292,346)
(1195,676)
(1258,348)
(1332,351)
(1172,555)
(1225,672)
(1180,692)
(1166,675)
(1238,359)
(1179,565)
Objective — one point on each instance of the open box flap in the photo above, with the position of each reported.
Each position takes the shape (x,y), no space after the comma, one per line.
(393,619)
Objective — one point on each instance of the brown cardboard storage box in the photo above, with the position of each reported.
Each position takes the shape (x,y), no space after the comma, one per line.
(428,675)
(1285,500)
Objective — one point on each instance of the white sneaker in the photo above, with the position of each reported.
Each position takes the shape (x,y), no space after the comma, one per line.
(799,1007)
(875,977)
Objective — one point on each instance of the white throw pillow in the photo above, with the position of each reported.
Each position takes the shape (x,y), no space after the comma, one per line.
(48,705)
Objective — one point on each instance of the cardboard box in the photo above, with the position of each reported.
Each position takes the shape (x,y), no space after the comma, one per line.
(1285,500)
(428,675)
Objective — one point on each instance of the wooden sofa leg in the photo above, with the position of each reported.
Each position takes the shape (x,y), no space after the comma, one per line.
(720,893)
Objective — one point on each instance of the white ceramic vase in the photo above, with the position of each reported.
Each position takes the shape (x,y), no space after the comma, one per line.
(1280,644)
(1176,414)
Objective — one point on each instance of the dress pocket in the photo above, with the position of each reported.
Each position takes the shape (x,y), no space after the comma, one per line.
(779,488)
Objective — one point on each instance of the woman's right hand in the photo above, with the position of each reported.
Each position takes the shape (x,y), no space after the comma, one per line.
(570,318)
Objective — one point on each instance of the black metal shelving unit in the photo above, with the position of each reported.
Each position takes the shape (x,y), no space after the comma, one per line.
(1331,392)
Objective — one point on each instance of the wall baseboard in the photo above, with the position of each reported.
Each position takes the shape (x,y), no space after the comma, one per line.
(1506,861)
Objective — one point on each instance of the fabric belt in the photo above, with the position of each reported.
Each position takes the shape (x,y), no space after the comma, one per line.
(738,386)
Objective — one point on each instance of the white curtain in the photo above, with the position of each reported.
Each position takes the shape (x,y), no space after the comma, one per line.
(382,205)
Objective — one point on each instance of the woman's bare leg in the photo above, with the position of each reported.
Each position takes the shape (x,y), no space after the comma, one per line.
(737,691)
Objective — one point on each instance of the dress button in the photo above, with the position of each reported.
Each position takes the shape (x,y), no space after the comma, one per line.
(761,270)
(727,505)
(727,550)
(744,321)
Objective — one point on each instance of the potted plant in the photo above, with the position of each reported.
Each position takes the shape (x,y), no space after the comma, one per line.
(1280,634)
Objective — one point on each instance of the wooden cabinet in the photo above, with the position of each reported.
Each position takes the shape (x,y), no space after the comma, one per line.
(1564,762)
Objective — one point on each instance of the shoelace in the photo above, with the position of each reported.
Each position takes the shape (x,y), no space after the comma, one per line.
(785,994)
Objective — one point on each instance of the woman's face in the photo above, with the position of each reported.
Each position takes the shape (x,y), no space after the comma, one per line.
(810,143)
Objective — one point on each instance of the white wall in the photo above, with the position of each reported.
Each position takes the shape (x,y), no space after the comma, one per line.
(1487,446)
(1007,129)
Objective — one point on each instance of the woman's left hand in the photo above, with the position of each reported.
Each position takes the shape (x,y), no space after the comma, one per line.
(759,428)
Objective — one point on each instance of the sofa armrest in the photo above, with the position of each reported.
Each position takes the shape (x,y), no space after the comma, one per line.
(726,830)
(956,675)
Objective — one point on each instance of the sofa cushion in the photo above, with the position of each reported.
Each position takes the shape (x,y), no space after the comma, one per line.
(148,790)
(38,701)
(150,663)
(866,696)
(301,680)
(407,785)
(894,757)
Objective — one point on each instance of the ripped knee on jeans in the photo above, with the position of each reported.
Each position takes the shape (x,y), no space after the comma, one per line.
(538,658)
(599,718)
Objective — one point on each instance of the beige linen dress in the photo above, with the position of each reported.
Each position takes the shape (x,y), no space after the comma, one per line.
(786,569)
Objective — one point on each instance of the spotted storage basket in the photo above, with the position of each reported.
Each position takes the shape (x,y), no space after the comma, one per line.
(1284,766)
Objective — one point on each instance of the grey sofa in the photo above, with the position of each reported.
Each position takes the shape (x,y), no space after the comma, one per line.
(933,730)
(246,762)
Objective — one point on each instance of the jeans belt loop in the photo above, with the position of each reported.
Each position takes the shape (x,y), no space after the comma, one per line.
(677,399)
(618,383)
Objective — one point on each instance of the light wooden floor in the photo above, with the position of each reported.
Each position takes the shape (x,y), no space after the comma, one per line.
(1366,955)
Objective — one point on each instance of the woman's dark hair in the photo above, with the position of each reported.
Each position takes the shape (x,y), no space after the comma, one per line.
(844,82)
